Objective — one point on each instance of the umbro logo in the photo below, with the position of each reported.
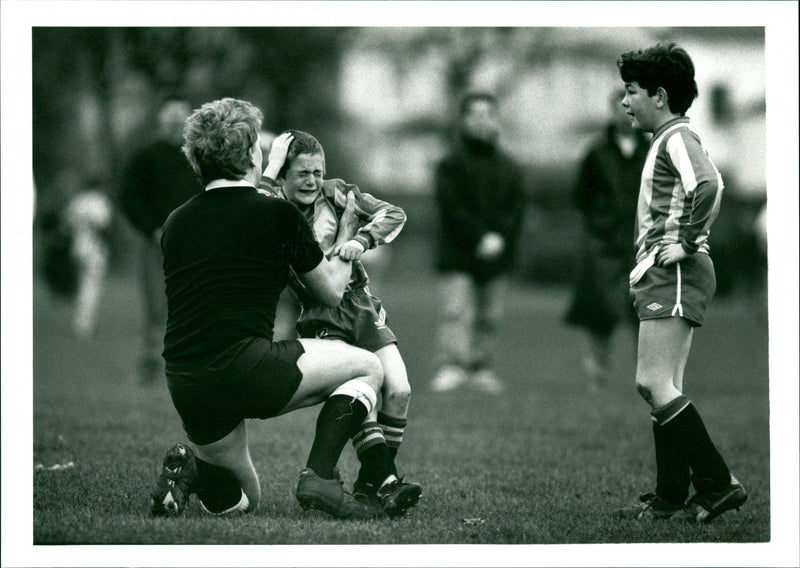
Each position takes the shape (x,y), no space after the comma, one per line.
(381,319)
(654,306)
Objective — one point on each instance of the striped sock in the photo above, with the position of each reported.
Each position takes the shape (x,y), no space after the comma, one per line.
(393,429)
(373,453)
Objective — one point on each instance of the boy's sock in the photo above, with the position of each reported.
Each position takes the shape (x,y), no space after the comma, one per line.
(373,453)
(709,470)
(393,429)
(673,475)
(338,421)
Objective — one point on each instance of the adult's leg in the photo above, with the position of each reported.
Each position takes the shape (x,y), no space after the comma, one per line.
(347,379)
(232,453)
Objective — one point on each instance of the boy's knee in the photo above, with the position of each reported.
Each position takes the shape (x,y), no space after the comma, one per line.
(397,393)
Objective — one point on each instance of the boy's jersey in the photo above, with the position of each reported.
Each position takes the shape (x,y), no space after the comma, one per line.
(382,222)
(680,192)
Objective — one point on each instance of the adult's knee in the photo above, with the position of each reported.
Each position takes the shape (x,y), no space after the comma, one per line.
(371,371)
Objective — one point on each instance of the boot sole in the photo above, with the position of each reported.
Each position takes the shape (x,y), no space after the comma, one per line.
(404,502)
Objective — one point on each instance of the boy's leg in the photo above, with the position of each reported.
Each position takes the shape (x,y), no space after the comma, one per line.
(377,442)
(489,311)
(660,353)
(456,328)
(393,415)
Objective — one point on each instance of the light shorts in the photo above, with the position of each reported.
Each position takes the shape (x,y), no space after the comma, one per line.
(255,378)
(359,320)
(682,290)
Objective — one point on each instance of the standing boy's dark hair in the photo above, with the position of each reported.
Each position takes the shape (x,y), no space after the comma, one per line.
(302,143)
(663,65)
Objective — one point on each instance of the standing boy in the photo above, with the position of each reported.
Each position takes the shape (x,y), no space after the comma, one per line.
(297,167)
(672,284)
(480,201)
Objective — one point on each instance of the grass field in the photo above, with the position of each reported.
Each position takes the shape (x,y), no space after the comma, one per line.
(543,464)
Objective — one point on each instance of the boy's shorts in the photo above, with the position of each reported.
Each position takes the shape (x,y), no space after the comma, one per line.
(683,289)
(359,320)
(255,378)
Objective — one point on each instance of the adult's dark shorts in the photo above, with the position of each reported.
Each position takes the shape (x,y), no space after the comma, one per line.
(254,378)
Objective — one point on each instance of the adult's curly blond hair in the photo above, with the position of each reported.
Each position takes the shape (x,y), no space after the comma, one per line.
(219,137)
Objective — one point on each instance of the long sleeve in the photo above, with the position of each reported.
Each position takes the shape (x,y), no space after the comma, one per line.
(384,221)
(702,185)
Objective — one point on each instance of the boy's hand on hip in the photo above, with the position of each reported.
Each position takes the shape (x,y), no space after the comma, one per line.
(670,254)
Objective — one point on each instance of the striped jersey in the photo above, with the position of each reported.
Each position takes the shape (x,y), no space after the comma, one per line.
(383,221)
(680,192)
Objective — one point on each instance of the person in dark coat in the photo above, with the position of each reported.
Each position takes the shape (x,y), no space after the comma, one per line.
(606,195)
(157,180)
(480,200)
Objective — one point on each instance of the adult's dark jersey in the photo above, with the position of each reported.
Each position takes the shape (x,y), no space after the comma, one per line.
(227,254)
(157,180)
(478,189)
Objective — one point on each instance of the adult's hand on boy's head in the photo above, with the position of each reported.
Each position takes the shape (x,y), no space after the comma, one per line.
(277,154)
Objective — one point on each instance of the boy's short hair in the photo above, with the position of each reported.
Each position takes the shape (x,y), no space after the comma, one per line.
(663,65)
(474,96)
(302,143)
(219,136)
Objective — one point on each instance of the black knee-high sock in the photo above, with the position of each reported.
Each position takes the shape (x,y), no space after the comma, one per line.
(673,474)
(709,470)
(217,487)
(672,467)
(338,421)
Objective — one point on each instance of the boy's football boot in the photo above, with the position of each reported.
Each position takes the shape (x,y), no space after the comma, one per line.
(706,506)
(397,496)
(650,507)
(175,483)
(329,496)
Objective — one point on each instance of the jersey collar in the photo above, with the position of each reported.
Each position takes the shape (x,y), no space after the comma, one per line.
(214,184)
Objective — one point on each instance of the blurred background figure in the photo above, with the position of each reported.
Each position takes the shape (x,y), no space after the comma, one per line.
(76,251)
(606,195)
(479,194)
(88,219)
(157,180)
